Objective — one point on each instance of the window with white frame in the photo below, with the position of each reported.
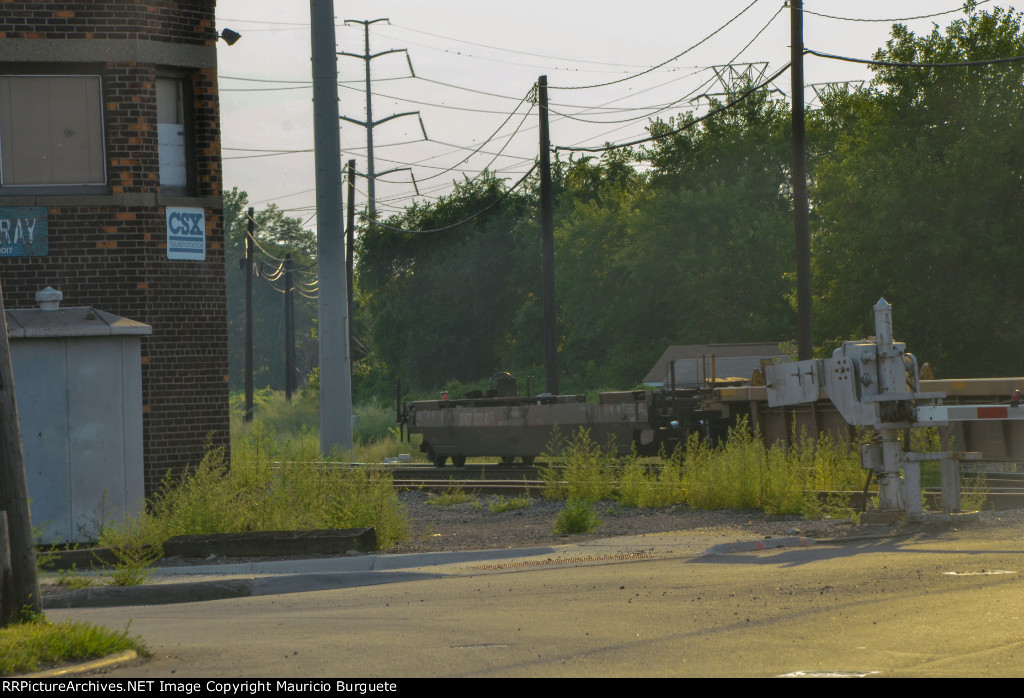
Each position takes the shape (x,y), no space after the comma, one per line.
(170,107)
(51,131)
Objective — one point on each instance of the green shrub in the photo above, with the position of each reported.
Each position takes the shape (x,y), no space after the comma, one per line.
(739,473)
(651,486)
(578,516)
(729,476)
(269,488)
(578,468)
(366,497)
(131,540)
(973,493)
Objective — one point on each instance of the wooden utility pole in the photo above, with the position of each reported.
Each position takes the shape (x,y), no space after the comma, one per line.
(24,580)
(249,255)
(350,233)
(547,218)
(805,349)
(289,330)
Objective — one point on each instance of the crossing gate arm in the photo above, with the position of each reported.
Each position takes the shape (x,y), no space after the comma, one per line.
(940,415)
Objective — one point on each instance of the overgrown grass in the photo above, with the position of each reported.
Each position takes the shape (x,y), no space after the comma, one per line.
(740,473)
(449,498)
(499,504)
(38,644)
(578,469)
(375,432)
(651,486)
(73,579)
(268,487)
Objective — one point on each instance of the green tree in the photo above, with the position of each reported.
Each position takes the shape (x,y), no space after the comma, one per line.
(918,198)
(438,303)
(697,249)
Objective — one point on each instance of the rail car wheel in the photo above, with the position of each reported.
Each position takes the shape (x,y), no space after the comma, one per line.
(528,461)
(459,461)
(439,461)
(507,460)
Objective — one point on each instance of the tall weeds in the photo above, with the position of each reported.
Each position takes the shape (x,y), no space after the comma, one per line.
(740,473)
(579,469)
(269,487)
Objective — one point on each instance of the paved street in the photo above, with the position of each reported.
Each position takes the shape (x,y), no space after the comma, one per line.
(935,602)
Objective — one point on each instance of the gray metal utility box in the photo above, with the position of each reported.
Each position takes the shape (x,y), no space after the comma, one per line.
(78,382)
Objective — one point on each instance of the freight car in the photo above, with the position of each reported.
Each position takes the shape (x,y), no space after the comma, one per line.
(502,424)
(505,425)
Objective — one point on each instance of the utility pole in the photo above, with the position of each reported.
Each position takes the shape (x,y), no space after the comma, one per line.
(289,330)
(350,233)
(23,583)
(332,304)
(249,253)
(547,217)
(371,178)
(802,225)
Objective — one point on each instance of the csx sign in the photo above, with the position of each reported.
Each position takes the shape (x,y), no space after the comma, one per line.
(186,233)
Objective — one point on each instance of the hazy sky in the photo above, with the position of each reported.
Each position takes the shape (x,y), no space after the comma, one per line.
(475,61)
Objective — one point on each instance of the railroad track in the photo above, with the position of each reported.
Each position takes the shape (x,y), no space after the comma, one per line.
(483,478)
(1003,490)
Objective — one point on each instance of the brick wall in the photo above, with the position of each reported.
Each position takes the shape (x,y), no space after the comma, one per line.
(109,250)
(158,20)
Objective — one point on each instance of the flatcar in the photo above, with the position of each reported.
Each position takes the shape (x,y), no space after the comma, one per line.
(513,428)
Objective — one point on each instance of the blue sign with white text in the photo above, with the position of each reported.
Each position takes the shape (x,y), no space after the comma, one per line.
(24,232)
(186,233)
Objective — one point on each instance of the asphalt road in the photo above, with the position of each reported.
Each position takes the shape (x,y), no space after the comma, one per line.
(934,602)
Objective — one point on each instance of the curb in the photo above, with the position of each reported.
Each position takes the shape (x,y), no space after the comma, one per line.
(149,594)
(91,665)
(253,543)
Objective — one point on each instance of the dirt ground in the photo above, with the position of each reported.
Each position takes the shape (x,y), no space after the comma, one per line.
(471,525)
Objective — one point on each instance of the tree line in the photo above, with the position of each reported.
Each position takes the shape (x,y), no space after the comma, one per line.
(916,185)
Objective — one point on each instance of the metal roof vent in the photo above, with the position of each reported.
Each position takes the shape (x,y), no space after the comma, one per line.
(49,298)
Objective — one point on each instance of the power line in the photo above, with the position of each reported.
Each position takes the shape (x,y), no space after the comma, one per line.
(493,159)
(687,126)
(463,54)
(663,63)
(493,136)
(699,88)
(897,19)
(428,104)
(898,64)
(465,89)
(509,50)
(468,218)
(267,154)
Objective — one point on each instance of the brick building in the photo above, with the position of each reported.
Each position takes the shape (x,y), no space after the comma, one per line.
(110,191)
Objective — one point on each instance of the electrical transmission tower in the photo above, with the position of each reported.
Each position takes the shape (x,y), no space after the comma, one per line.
(823,90)
(371,176)
(734,79)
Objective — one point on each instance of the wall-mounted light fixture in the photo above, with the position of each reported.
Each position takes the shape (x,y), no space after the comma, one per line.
(230,37)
